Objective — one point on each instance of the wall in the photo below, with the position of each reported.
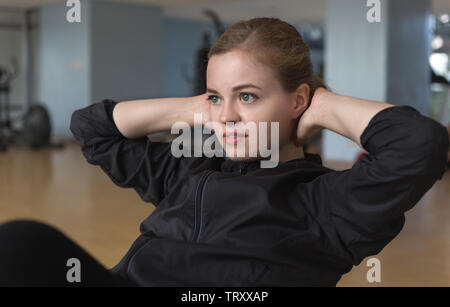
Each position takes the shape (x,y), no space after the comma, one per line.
(181,40)
(126,51)
(115,52)
(64,59)
(386,61)
(409,74)
(355,57)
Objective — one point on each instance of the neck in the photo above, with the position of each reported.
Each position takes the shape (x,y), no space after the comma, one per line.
(291,151)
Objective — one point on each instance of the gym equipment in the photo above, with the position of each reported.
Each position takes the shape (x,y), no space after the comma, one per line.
(36,131)
(5,124)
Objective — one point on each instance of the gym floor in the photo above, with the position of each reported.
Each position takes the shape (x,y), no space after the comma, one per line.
(60,188)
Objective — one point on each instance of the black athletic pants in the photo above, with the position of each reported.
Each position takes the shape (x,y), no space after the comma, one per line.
(36,254)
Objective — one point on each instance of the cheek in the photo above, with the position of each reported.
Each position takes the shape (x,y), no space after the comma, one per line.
(215,119)
(214,113)
(284,125)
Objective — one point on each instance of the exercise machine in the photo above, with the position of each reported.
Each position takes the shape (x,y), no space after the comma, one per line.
(36,125)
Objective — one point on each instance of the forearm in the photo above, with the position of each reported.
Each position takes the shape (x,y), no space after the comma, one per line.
(345,115)
(137,118)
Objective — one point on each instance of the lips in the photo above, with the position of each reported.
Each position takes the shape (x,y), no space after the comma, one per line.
(234,134)
(234,139)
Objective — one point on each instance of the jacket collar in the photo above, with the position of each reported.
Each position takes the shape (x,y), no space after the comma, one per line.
(242,167)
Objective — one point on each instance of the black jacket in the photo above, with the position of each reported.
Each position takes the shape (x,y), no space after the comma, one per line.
(220,222)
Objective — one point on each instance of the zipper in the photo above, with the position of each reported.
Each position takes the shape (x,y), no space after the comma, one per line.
(243,168)
(199,206)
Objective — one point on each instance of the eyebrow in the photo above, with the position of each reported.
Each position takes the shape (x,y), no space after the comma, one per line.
(236,88)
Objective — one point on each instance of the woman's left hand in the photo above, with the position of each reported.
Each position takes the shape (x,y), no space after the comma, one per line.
(308,125)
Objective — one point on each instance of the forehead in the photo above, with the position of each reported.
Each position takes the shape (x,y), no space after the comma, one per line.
(235,67)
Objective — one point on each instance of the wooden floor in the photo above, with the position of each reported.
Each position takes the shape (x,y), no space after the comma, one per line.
(60,188)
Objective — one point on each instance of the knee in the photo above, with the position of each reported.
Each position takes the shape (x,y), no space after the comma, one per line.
(27,229)
(23,224)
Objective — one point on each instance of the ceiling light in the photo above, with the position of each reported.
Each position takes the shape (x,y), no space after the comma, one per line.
(445,18)
(437,42)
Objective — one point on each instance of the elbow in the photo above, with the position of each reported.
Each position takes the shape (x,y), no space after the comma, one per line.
(81,127)
(423,152)
(75,126)
(434,147)
(439,158)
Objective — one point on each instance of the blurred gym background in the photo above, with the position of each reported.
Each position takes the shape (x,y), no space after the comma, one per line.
(139,49)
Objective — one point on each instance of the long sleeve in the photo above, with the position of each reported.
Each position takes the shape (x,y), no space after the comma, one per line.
(138,163)
(363,208)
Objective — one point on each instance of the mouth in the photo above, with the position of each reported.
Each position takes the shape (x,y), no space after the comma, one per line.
(234,134)
(234,137)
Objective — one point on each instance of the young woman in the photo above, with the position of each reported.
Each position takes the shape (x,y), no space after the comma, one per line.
(227,221)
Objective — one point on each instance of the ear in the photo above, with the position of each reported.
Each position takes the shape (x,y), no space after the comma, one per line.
(300,100)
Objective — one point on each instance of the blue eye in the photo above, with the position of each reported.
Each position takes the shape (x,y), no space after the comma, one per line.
(213,99)
(246,97)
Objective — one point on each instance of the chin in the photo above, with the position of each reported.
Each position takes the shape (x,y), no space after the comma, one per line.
(242,154)
(243,158)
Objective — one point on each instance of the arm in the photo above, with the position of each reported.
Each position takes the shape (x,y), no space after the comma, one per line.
(132,161)
(345,115)
(362,208)
(136,118)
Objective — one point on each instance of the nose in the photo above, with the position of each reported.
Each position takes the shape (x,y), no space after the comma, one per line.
(229,114)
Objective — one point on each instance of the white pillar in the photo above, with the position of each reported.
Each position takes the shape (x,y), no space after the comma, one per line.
(384,61)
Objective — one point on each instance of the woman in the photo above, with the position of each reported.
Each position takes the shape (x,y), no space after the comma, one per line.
(227,221)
